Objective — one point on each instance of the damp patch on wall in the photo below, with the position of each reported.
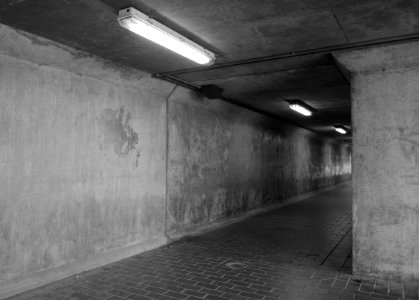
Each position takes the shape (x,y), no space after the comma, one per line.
(116,132)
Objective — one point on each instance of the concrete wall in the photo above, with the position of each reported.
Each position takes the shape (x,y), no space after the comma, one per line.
(82,157)
(224,160)
(83,154)
(385,110)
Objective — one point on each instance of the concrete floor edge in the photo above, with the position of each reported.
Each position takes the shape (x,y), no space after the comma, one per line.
(39,279)
(203,228)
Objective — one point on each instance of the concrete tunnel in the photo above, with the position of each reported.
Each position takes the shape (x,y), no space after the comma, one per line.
(129,171)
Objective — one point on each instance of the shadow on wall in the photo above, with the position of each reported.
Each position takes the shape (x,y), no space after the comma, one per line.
(334,166)
(223,162)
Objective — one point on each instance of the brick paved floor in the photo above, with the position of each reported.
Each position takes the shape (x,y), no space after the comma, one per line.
(301,251)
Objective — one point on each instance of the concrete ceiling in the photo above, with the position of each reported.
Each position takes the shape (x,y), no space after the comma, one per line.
(267,51)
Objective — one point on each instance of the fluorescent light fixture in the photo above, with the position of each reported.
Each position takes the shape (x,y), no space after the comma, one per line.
(341,129)
(141,24)
(301,108)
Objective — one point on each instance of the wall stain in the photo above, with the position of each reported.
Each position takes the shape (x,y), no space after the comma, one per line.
(117,133)
(409,146)
(138,158)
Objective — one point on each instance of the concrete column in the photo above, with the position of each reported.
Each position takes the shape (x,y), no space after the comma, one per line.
(385,116)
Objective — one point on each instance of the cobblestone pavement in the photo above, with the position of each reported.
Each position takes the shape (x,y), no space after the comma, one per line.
(301,251)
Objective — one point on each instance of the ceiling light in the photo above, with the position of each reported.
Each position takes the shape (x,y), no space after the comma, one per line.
(341,129)
(141,24)
(301,107)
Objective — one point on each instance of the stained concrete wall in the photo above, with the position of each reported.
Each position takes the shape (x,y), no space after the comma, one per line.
(224,160)
(385,110)
(82,158)
(90,173)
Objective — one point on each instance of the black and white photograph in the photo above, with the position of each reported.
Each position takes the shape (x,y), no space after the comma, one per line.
(209,149)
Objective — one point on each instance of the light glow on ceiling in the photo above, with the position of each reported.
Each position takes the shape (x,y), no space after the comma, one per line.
(141,24)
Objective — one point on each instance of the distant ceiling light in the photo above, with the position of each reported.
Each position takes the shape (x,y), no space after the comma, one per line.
(341,129)
(141,24)
(301,107)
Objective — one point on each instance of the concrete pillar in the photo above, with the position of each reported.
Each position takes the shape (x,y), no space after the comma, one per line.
(385,116)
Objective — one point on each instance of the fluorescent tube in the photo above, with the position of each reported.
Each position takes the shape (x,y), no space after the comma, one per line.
(341,129)
(141,24)
(300,109)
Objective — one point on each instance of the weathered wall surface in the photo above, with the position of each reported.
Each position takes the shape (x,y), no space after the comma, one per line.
(386,168)
(223,161)
(82,156)
(385,110)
